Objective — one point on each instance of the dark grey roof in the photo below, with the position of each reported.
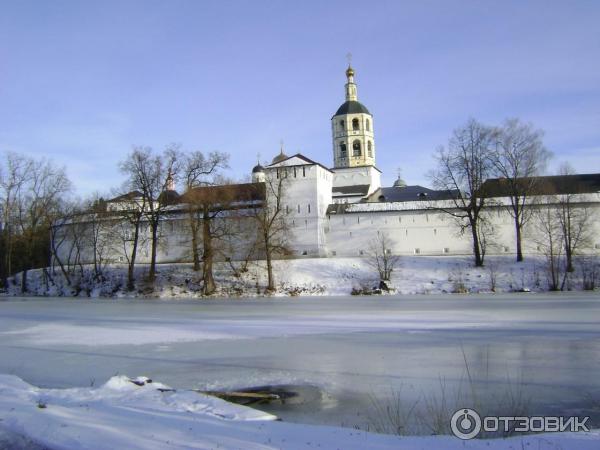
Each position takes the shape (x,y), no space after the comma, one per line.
(352,107)
(548,185)
(257,168)
(409,194)
(225,194)
(361,189)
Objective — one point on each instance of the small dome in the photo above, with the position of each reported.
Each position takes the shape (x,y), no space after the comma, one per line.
(280,157)
(258,168)
(168,197)
(399,183)
(349,71)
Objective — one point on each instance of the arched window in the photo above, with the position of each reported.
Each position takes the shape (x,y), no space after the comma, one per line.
(355,124)
(343,150)
(368,125)
(370,149)
(342,125)
(356,148)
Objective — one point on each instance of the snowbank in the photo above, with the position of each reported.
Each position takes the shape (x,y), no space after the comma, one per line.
(149,415)
(314,276)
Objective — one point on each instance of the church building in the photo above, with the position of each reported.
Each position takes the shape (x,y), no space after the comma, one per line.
(339,210)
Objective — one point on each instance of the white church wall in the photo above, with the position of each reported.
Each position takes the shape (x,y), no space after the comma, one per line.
(411,231)
(356,176)
(306,199)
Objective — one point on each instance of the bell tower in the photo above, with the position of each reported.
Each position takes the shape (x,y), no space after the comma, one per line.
(352,130)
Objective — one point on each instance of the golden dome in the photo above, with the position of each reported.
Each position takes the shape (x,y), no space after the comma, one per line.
(349,71)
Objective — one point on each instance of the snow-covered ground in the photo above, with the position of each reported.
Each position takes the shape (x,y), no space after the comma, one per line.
(541,351)
(312,276)
(123,415)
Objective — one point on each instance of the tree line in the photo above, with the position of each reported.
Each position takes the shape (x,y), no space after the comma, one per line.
(44,226)
(515,154)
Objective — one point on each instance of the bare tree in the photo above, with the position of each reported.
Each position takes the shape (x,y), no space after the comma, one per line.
(209,208)
(64,238)
(36,203)
(97,223)
(575,219)
(13,179)
(382,258)
(462,169)
(200,170)
(129,210)
(563,228)
(519,158)
(273,228)
(152,175)
(549,239)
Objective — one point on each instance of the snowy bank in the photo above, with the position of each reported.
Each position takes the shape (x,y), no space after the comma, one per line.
(149,415)
(311,276)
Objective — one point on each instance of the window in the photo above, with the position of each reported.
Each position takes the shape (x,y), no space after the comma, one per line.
(294,172)
(342,124)
(356,151)
(303,171)
(417,251)
(370,149)
(343,150)
(333,253)
(355,124)
(287,209)
(434,232)
(304,252)
(368,125)
(361,252)
(388,251)
(446,250)
(298,208)
(309,208)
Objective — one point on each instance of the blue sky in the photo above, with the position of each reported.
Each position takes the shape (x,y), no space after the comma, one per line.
(82,81)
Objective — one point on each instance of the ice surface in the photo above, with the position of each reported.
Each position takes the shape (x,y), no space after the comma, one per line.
(352,348)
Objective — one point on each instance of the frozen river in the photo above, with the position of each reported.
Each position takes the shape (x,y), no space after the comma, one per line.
(345,355)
